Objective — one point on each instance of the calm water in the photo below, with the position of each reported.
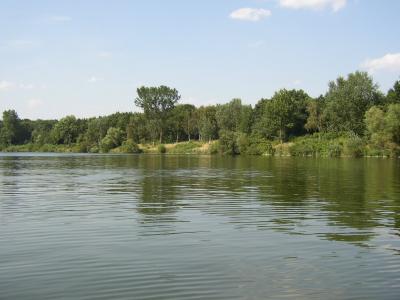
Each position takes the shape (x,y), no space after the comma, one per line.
(179,227)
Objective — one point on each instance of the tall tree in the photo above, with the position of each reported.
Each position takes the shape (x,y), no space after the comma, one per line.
(66,130)
(157,103)
(234,116)
(10,129)
(315,119)
(283,115)
(347,101)
(207,123)
(393,95)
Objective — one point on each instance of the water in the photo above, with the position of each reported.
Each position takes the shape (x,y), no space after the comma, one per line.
(198,227)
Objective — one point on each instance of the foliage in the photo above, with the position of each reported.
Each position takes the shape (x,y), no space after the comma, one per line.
(352,119)
(283,115)
(113,139)
(228,142)
(347,100)
(162,149)
(157,103)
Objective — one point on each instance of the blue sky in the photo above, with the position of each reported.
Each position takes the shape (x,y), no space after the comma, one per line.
(88,57)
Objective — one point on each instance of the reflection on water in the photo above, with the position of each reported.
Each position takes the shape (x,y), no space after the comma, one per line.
(198,227)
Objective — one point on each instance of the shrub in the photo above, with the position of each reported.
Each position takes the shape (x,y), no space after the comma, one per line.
(214,147)
(354,146)
(129,147)
(228,143)
(161,149)
(185,148)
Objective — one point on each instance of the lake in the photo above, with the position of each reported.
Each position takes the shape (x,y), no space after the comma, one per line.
(198,227)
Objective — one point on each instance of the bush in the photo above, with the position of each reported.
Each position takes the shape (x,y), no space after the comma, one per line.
(214,147)
(94,149)
(334,149)
(129,147)
(161,149)
(228,143)
(354,146)
(185,148)
(256,145)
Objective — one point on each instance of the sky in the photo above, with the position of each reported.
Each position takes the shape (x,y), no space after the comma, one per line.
(87,58)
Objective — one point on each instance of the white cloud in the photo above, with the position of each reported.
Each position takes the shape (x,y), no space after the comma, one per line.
(34,103)
(94,79)
(6,85)
(250,14)
(335,5)
(388,62)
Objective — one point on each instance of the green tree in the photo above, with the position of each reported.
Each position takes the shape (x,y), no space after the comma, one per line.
(234,116)
(183,120)
(393,122)
(283,115)
(315,119)
(113,139)
(347,101)
(66,131)
(393,95)
(10,128)
(157,103)
(207,123)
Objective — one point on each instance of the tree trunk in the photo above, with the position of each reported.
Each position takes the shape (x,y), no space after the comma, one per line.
(161,135)
(177,137)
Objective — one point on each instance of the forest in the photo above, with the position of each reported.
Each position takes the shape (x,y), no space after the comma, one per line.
(353,118)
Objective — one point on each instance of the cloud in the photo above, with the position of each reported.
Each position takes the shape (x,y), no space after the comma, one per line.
(34,103)
(94,79)
(388,62)
(250,14)
(335,5)
(6,85)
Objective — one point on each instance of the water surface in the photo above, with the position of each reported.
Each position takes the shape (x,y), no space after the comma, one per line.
(198,227)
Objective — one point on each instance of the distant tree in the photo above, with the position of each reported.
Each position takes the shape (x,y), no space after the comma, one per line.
(41,131)
(234,116)
(157,103)
(393,122)
(283,115)
(137,129)
(183,120)
(347,101)
(207,123)
(315,119)
(384,127)
(113,139)
(10,128)
(66,131)
(393,95)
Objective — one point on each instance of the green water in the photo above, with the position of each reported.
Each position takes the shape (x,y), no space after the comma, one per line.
(198,227)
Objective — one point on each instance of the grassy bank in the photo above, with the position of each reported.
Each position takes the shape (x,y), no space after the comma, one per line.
(317,145)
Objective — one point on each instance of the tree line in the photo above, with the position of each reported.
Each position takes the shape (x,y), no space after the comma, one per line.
(353,114)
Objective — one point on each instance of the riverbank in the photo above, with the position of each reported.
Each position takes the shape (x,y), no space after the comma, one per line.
(307,146)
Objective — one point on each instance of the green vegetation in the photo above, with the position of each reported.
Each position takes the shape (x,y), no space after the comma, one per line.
(352,119)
